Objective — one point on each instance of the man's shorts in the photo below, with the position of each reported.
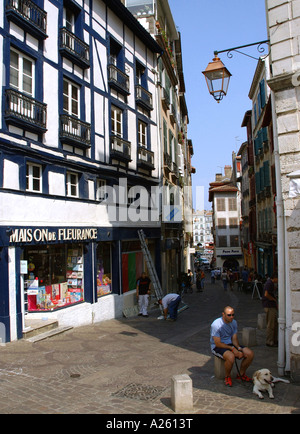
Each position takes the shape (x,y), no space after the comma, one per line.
(219,352)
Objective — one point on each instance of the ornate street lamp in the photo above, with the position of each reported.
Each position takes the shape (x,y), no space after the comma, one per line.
(217,75)
(217,78)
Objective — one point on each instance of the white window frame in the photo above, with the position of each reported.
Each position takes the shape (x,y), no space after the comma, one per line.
(100,192)
(69,23)
(72,184)
(142,134)
(116,121)
(21,74)
(31,178)
(70,98)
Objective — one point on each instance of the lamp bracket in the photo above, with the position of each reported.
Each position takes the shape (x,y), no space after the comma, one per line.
(229,51)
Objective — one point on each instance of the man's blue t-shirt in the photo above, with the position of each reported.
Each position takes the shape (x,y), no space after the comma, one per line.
(221,329)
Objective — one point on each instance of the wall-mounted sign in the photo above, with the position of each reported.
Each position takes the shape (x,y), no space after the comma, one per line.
(29,235)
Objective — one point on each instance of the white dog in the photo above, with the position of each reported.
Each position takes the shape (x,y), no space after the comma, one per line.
(264,380)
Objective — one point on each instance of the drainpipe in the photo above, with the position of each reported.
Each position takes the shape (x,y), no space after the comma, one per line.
(280,248)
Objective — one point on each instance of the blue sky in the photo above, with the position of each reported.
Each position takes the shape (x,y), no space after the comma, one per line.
(215,129)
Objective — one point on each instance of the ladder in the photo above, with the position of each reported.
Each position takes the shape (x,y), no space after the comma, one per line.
(151,269)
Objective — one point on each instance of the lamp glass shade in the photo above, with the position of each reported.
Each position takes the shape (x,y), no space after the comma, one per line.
(217,78)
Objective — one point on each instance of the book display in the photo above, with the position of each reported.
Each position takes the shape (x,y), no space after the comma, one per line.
(55,278)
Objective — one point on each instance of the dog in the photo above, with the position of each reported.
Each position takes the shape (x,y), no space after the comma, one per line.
(263,380)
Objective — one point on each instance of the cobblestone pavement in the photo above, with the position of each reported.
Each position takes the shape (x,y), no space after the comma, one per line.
(125,366)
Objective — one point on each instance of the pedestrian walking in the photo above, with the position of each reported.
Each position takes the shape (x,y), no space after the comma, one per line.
(198,280)
(224,278)
(142,293)
(202,279)
(269,303)
(212,276)
(170,303)
(224,344)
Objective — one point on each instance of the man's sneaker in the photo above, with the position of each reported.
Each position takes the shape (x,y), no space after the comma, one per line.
(244,377)
(228,381)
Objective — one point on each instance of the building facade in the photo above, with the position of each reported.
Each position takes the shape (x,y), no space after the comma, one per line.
(283,18)
(176,148)
(226,207)
(264,173)
(80,165)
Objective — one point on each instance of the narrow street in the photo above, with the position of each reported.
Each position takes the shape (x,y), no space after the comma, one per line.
(125,366)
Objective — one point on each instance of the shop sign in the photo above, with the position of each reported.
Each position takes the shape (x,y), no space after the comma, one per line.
(229,252)
(28,235)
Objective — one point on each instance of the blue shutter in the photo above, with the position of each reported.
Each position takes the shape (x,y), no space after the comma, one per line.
(262,93)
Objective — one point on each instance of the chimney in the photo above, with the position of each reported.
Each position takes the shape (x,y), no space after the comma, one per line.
(228,171)
(219,177)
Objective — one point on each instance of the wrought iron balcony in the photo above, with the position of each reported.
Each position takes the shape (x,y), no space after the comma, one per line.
(74,131)
(120,149)
(25,112)
(145,158)
(143,97)
(167,161)
(28,15)
(118,79)
(74,48)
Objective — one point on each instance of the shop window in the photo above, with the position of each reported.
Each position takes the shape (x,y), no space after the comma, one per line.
(55,276)
(103,269)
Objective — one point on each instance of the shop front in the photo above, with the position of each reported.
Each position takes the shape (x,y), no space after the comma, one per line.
(229,258)
(76,276)
(48,270)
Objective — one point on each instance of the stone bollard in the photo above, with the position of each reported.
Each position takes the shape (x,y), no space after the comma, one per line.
(249,337)
(219,368)
(261,321)
(181,393)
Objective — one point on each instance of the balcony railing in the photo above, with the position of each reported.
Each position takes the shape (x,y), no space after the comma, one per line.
(145,158)
(143,97)
(120,149)
(75,131)
(24,111)
(168,161)
(118,79)
(27,14)
(74,48)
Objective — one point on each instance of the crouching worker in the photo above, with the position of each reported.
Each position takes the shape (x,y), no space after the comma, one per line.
(170,303)
(224,344)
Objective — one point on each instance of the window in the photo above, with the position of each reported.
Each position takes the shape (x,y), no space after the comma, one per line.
(100,193)
(232,205)
(222,223)
(220,204)
(233,223)
(34,178)
(222,241)
(116,121)
(22,71)
(55,276)
(70,98)
(142,134)
(72,184)
(69,20)
(234,241)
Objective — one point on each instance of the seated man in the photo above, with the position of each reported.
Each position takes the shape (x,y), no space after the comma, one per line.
(224,343)
(170,303)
